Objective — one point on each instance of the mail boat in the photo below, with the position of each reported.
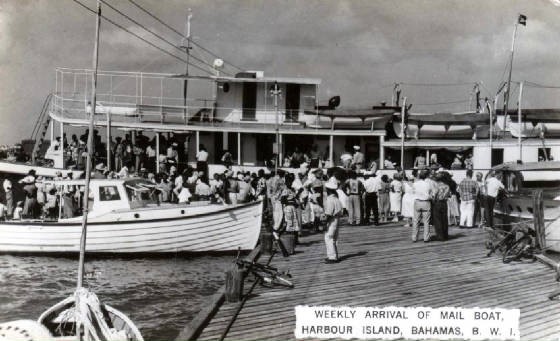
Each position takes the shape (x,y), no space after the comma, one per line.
(125,218)
(521,181)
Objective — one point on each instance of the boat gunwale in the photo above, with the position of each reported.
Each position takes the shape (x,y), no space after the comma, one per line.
(51,223)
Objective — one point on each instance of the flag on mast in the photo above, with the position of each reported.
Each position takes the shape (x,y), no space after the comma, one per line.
(522,19)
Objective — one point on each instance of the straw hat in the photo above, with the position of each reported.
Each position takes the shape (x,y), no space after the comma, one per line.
(100,167)
(356,147)
(331,184)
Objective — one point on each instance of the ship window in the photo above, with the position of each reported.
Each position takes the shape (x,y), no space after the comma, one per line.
(108,193)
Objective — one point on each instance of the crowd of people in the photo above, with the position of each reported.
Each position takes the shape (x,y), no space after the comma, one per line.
(312,198)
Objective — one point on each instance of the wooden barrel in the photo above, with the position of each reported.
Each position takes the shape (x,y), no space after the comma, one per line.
(289,241)
(266,242)
(235,277)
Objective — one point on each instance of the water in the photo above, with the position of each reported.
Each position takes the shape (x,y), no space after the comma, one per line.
(159,295)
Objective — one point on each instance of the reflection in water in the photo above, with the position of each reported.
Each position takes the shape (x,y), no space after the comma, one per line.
(159,295)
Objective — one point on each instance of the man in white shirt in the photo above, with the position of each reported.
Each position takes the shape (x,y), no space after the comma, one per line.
(493,187)
(422,206)
(202,161)
(372,184)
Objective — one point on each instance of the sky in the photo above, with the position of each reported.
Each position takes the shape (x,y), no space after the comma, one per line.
(358,48)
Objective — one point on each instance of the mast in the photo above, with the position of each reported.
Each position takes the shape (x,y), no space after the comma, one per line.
(275,93)
(522,19)
(403,130)
(89,147)
(519,120)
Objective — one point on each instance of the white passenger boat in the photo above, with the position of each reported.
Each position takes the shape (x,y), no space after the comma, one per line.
(124,218)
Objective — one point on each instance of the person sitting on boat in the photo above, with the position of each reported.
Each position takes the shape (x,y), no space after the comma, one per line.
(457,163)
(99,170)
(469,162)
(123,173)
(184,196)
(315,157)
(420,162)
(162,186)
(202,190)
(231,187)
(18,211)
(388,163)
(227,159)
(3,212)
(245,190)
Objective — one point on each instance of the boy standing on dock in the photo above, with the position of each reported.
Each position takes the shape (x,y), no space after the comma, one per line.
(333,211)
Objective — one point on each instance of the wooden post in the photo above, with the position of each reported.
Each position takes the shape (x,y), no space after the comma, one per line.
(381,164)
(234,283)
(157,152)
(239,149)
(538,219)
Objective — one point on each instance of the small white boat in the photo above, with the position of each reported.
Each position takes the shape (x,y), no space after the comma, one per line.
(443,125)
(124,218)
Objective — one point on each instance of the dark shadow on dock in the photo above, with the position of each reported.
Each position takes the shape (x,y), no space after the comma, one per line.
(352,255)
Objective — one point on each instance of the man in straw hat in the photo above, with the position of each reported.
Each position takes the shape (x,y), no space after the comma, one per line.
(99,170)
(333,211)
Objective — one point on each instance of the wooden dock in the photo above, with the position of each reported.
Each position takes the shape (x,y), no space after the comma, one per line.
(381,267)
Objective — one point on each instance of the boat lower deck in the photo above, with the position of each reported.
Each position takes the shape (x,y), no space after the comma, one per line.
(381,267)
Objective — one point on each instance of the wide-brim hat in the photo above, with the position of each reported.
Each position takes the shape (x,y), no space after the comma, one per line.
(356,147)
(100,167)
(331,184)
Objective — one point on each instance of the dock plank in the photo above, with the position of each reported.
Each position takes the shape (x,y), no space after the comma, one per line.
(381,267)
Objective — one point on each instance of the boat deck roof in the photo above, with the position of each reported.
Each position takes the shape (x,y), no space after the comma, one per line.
(381,267)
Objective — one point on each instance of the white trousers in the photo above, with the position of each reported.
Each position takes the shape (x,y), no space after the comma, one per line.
(467,213)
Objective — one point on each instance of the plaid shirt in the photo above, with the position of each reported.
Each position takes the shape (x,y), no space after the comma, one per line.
(468,189)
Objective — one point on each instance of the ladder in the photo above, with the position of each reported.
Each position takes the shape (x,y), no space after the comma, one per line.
(40,129)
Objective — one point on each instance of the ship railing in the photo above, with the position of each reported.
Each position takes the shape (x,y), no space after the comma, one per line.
(123,108)
(141,97)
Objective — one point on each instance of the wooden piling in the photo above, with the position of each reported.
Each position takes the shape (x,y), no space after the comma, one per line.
(538,219)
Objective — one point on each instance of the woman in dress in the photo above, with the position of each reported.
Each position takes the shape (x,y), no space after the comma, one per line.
(407,210)
(395,196)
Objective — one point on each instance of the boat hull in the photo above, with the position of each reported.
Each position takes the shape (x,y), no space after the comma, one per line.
(214,228)
(519,208)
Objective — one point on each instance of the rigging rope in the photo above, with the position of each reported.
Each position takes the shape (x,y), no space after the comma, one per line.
(157,35)
(181,34)
(439,84)
(143,39)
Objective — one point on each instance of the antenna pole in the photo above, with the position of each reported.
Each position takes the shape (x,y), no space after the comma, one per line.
(187,48)
(403,131)
(89,147)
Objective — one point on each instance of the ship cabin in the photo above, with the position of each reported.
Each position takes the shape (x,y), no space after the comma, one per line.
(254,117)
